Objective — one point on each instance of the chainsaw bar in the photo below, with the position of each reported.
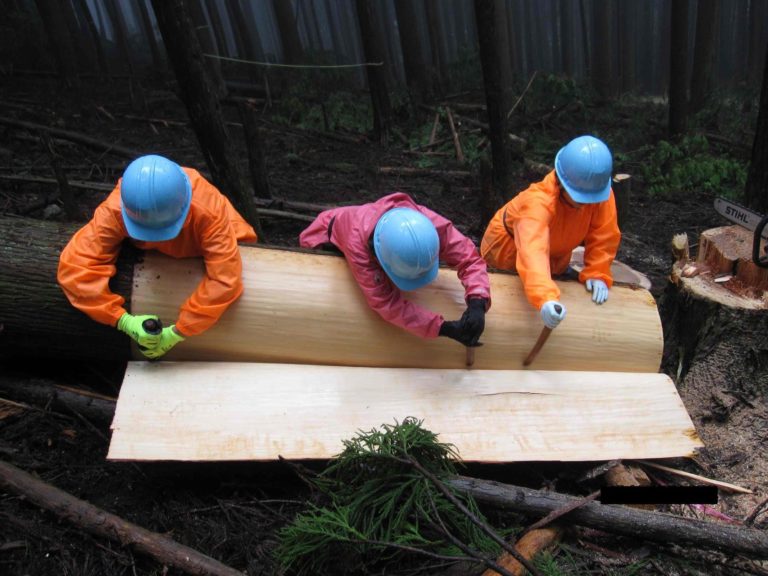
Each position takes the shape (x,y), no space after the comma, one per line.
(738,214)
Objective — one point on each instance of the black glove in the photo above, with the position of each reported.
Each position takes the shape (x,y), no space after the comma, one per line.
(473,321)
(469,328)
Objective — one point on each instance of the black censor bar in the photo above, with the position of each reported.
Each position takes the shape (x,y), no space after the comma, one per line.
(658,495)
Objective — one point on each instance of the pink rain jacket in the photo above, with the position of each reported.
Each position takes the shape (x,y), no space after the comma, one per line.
(351,232)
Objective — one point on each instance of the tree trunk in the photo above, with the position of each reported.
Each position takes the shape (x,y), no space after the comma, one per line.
(29,260)
(416,74)
(149,32)
(207,39)
(504,50)
(626,25)
(439,68)
(118,25)
(716,342)
(377,75)
(257,162)
(59,40)
(678,68)
(243,40)
(756,191)
(84,56)
(204,109)
(585,39)
(567,45)
(758,13)
(293,53)
(602,79)
(704,52)
(218,28)
(85,13)
(487,21)
(653,526)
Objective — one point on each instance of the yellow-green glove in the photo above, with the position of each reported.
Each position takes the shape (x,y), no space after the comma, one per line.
(168,339)
(132,325)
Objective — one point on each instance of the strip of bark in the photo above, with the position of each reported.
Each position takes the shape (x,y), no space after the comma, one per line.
(653,526)
(101,523)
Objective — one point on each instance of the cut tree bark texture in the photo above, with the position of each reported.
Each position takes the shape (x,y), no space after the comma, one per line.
(716,342)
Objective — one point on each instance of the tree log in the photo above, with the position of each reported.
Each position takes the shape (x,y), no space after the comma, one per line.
(102,523)
(43,392)
(36,318)
(653,526)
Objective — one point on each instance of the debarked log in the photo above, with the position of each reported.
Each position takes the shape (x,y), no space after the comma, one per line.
(653,526)
(303,307)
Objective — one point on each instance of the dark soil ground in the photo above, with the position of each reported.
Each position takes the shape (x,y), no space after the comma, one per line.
(232,512)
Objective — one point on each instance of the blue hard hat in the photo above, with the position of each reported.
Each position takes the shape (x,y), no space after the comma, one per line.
(155,195)
(407,246)
(584,168)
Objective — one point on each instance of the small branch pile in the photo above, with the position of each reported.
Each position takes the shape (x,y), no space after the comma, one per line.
(382,506)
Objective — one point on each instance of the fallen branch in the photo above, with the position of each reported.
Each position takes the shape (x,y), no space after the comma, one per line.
(434,128)
(455,136)
(520,99)
(43,180)
(102,523)
(284,214)
(74,137)
(654,526)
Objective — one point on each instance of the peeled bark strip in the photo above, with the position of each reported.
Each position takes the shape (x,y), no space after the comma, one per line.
(653,526)
(528,546)
(101,523)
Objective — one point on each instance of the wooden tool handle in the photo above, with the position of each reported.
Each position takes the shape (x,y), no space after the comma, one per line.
(545,332)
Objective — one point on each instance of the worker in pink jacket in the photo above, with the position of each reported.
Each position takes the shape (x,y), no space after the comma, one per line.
(394,244)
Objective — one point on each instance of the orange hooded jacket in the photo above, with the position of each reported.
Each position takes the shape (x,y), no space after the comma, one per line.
(211,230)
(535,233)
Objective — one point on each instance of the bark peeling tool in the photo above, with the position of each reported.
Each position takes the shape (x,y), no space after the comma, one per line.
(545,332)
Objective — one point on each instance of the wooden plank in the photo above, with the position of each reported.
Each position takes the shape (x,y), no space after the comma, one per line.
(306,308)
(202,411)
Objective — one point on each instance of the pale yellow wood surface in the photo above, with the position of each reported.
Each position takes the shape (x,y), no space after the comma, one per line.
(306,308)
(200,411)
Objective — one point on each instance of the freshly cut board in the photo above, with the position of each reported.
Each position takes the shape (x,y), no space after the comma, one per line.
(306,308)
(205,411)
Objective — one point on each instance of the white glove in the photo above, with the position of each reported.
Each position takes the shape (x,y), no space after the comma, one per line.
(599,290)
(550,314)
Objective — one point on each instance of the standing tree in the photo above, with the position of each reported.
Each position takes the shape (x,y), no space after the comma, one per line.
(149,32)
(756,191)
(85,15)
(567,45)
(416,76)
(707,17)
(204,109)
(758,14)
(208,45)
(490,17)
(602,79)
(118,25)
(59,40)
(293,53)
(377,75)
(439,68)
(678,68)
(626,15)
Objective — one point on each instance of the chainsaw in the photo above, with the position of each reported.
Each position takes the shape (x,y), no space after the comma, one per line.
(748,219)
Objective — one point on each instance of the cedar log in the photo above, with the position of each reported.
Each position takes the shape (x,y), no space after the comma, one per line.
(653,526)
(101,523)
(36,318)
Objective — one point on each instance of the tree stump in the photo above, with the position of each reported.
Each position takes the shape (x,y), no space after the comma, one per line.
(716,347)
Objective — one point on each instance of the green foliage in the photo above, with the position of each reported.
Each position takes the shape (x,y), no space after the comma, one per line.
(379,503)
(565,564)
(690,167)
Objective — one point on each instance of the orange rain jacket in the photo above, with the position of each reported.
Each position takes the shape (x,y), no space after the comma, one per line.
(212,229)
(535,233)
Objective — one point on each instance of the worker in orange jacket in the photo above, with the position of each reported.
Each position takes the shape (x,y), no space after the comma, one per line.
(535,232)
(160,206)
